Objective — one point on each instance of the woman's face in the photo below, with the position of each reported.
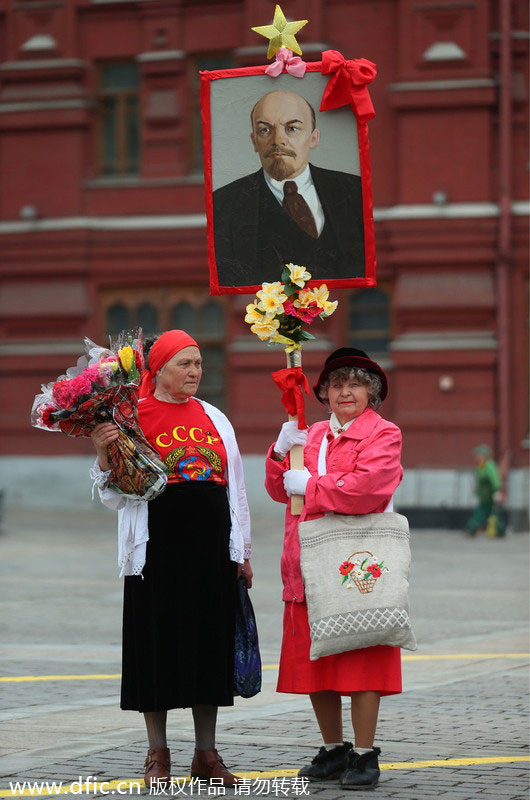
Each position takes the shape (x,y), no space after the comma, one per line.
(180,377)
(347,398)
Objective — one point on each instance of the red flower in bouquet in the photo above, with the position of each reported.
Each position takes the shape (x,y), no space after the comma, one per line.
(374,569)
(70,391)
(281,309)
(104,386)
(346,568)
(62,394)
(305,313)
(47,417)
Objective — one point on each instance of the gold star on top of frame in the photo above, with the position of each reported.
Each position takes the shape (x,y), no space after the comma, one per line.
(281,33)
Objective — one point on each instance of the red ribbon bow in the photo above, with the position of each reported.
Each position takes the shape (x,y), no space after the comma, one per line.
(348,84)
(291,381)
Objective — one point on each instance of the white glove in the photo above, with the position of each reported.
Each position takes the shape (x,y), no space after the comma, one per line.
(288,436)
(295,480)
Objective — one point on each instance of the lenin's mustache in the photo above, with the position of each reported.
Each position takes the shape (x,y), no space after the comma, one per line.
(280,151)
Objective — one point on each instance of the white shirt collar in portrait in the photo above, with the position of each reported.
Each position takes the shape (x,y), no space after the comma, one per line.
(306,188)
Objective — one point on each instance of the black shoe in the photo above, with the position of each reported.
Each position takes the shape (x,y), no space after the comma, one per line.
(362,771)
(327,764)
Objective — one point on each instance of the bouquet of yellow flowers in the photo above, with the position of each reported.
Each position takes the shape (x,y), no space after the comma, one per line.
(281,309)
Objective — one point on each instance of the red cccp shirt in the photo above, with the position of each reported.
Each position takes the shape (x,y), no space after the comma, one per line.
(185,438)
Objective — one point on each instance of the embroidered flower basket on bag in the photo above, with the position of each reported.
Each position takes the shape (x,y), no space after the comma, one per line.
(355,571)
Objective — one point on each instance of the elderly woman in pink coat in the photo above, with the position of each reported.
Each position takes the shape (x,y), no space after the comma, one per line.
(352,466)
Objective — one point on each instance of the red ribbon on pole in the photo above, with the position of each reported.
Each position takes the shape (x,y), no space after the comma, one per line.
(291,381)
(348,84)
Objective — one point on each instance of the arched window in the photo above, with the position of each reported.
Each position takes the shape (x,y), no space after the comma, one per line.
(182,316)
(205,322)
(212,318)
(147,318)
(118,318)
(369,321)
(160,308)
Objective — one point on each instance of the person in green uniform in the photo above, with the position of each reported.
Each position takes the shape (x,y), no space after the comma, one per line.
(488,487)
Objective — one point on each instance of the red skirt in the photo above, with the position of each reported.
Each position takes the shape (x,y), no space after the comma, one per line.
(376,669)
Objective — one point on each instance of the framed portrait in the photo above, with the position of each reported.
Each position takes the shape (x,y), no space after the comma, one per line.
(285,182)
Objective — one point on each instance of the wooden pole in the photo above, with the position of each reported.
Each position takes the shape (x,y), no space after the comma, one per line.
(296,453)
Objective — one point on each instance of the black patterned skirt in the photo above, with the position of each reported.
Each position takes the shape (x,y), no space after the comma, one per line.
(178,621)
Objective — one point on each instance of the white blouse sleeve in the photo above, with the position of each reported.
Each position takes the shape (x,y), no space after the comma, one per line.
(133,532)
(109,497)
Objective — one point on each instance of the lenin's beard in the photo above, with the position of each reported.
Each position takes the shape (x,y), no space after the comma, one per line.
(280,168)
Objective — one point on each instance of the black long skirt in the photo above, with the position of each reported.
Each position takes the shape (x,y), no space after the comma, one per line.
(178,621)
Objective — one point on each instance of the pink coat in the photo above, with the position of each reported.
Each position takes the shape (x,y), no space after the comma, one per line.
(363,471)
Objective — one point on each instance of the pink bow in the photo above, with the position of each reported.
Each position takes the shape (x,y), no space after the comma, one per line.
(348,84)
(286,62)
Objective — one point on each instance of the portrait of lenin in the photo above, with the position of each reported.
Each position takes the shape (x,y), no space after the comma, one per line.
(288,210)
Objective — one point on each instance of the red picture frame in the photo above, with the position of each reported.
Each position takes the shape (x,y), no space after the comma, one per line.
(218,283)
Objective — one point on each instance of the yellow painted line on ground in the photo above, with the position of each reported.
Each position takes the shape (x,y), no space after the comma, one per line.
(120,786)
(102,677)
(29,678)
(455,762)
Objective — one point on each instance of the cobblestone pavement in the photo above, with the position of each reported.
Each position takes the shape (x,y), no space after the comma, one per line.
(465,688)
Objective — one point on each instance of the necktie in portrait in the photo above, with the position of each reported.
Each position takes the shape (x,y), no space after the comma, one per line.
(297,208)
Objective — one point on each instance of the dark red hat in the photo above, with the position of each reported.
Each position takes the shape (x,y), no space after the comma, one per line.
(350,357)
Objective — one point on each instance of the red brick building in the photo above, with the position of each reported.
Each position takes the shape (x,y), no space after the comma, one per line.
(102,208)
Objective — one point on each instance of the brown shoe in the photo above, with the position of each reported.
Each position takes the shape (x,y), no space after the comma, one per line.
(157,768)
(208,764)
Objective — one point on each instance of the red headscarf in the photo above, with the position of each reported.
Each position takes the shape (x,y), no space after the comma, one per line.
(163,350)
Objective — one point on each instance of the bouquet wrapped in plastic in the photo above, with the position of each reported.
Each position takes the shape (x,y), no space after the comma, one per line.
(103,387)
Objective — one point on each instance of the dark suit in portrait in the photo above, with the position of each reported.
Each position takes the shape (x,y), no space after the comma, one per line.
(255,236)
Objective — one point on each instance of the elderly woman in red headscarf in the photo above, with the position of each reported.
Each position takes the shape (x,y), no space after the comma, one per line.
(180,554)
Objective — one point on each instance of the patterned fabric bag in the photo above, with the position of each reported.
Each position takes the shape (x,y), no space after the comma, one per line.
(355,571)
(247,660)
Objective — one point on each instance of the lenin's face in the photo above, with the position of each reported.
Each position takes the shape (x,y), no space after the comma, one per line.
(283,134)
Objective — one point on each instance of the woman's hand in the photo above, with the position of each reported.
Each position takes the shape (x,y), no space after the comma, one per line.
(289,436)
(246,570)
(104,434)
(295,481)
